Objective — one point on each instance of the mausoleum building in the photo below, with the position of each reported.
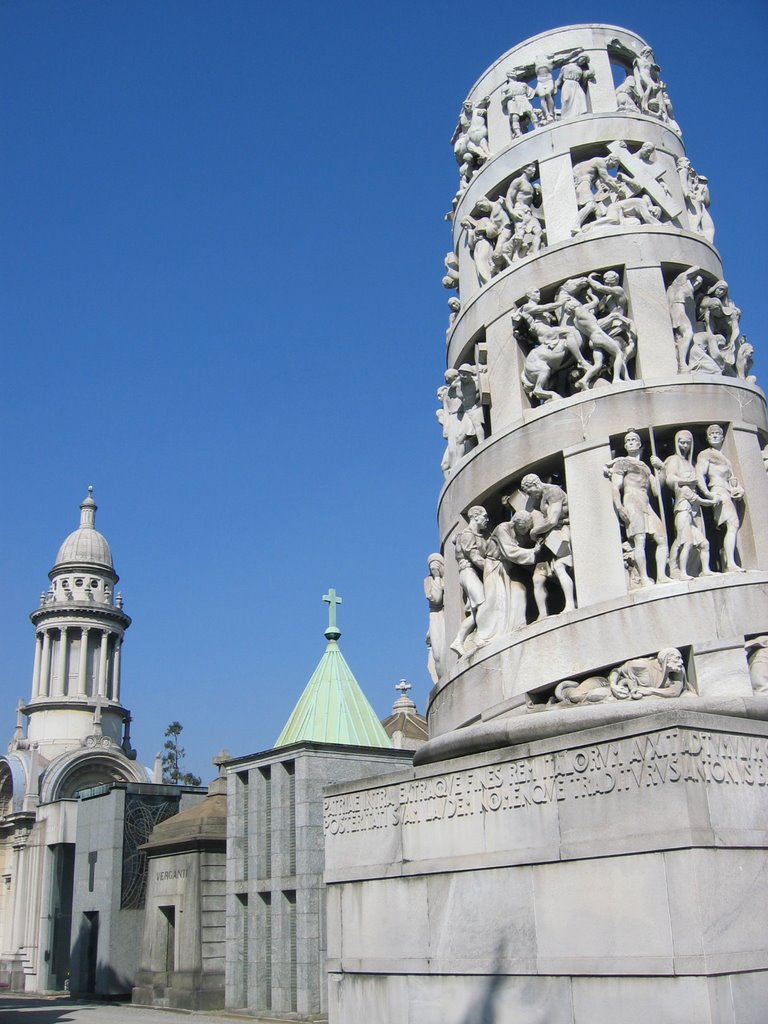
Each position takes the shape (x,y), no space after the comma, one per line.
(276,934)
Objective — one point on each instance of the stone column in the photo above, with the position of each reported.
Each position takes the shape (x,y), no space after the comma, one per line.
(102,683)
(82,681)
(116,669)
(602,92)
(598,564)
(750,470)
(656,351)
(61,663)
(505,364)
(559,198)
(45,665)
(36,669)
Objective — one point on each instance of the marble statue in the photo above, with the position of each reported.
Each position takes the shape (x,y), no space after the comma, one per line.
(454,305)
(593,184)
(757,658)
(679,475)
(612,310)
(471,546)
(717,481)
(471,416)
(523,233)
(451,279)
(661,676)
(470,145)
(689,534)
(434,590)
(696,195)
(680,297)
(649,91)
(632,483)
(744,358)
(601,343)
(460,414)
(572,83)
(448,416)
(516,99)
(511,548)
(720,316)
(470,137)
(628,96)
(550,524)
(482,233)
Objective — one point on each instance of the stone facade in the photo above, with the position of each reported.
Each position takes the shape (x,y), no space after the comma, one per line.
(183,947)
(111,876)
(589,815)
(276,945)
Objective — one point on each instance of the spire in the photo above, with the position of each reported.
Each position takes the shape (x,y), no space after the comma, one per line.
(88,509)
(333,708)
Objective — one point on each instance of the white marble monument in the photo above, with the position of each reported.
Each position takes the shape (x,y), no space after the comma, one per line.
(584,836)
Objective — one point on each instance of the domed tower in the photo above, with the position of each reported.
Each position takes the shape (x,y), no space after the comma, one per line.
(79,629)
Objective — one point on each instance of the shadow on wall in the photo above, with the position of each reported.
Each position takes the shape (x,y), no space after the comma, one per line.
(490,1000)
(89,976)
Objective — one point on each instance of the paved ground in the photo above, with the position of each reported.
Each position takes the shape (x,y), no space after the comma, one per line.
(41,1010)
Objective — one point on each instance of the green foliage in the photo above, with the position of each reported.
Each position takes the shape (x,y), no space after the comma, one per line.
(173,759)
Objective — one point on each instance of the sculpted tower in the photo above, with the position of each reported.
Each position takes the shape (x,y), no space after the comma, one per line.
(590,808)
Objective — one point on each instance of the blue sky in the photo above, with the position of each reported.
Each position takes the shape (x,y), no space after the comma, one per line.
(220,303)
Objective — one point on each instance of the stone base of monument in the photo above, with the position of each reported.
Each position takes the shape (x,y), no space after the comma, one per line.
(616,874)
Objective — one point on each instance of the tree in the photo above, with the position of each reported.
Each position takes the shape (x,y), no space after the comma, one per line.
(173,758)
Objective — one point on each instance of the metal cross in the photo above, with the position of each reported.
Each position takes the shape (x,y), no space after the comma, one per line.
(331,600)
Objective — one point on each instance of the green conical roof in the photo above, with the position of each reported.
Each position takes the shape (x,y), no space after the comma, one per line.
(333,708)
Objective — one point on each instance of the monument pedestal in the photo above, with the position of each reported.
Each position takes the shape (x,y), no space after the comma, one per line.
(618,873)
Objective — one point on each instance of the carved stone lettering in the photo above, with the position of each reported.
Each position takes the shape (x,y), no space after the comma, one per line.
(688,757)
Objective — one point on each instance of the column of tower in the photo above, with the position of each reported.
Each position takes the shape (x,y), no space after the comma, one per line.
(603,463)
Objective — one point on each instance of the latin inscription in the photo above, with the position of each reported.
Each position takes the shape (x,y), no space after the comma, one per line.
(662,759)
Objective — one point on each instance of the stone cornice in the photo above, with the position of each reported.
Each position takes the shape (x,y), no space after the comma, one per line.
(77,609)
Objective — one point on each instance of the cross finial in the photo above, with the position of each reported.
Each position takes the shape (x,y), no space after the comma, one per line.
(403,687)
(332,633)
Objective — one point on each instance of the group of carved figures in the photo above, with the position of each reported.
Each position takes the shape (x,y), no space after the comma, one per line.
(497,566)
(532,550)
(583,336)
(708,482)
(637,193)
(622,188)
(642,91)
(707,330)
(506,229)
